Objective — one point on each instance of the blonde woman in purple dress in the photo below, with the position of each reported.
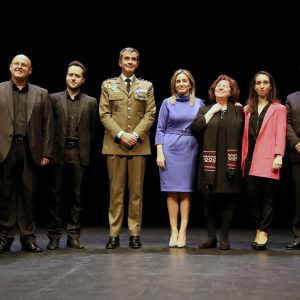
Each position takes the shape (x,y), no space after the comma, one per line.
(177,150)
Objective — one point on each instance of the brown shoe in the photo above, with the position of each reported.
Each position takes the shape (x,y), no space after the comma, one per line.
(74,243)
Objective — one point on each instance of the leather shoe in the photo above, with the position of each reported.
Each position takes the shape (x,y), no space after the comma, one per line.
(4,247)
(225,245)
(209,243)
(113,242)
(260,247)
(53,245)
(74,243)
(263,236)
(31,247)
(295,245)
(134,242)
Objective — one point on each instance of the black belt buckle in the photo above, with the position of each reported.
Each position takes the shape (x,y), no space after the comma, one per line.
(19,140)
(70,145)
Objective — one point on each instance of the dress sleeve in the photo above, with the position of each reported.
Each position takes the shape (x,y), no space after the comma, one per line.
(162,123)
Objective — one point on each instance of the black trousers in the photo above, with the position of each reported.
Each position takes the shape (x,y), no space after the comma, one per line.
(296,182)
(222,204)
(260,193)
(68,181)
(18,178)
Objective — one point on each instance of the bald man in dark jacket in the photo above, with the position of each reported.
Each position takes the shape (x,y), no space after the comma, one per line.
(26,142)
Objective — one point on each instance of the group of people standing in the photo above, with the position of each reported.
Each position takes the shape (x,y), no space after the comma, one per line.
(234,142)
(207,146)
(37,128)
(237,146)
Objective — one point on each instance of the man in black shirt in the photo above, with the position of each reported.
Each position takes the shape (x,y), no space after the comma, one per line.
(26,142)
(75,116)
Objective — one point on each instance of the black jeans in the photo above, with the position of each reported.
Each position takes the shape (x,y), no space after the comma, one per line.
(68,185)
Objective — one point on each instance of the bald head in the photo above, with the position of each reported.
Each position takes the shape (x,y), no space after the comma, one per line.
(22,57)
(20,69)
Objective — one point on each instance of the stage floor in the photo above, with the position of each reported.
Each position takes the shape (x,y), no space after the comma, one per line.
(154,271)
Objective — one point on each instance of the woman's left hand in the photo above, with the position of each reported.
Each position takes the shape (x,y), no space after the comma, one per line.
(277,163)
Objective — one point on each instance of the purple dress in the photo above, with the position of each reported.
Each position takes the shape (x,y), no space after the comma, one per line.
(180,146)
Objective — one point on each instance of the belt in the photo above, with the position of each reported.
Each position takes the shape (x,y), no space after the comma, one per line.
(18,139)
(71,144)
(180,131)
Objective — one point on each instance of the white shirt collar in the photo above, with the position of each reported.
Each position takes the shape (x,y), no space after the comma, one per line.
(124,77)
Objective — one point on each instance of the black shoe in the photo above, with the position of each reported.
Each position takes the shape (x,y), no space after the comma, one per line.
(113,242)
(224,245)
(295,245)
(31,247)
(209,243)
(53,245)
(253,245)
(74,243)
(4,247)
(260,246)
(134,242)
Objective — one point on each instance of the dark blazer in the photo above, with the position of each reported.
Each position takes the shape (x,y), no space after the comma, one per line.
(39,121)
(293,124)
(88,112)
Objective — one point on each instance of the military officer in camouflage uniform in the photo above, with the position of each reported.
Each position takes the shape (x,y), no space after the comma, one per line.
(127,112)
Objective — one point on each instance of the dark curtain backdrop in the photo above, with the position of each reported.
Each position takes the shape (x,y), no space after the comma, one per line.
(210,40)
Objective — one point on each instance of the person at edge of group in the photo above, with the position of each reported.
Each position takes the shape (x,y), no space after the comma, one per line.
(75,115)
(26,142)
(220,125)
(177,152)
(127,112)
(293,140)
(263,147)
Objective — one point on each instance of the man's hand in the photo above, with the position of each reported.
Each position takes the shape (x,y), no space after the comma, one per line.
(128,139)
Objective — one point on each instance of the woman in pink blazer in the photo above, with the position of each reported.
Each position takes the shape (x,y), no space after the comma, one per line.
(263,147)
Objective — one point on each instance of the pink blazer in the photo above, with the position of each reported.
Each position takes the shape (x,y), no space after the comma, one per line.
(270,142)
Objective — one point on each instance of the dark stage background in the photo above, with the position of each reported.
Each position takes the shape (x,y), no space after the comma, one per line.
(208,42)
